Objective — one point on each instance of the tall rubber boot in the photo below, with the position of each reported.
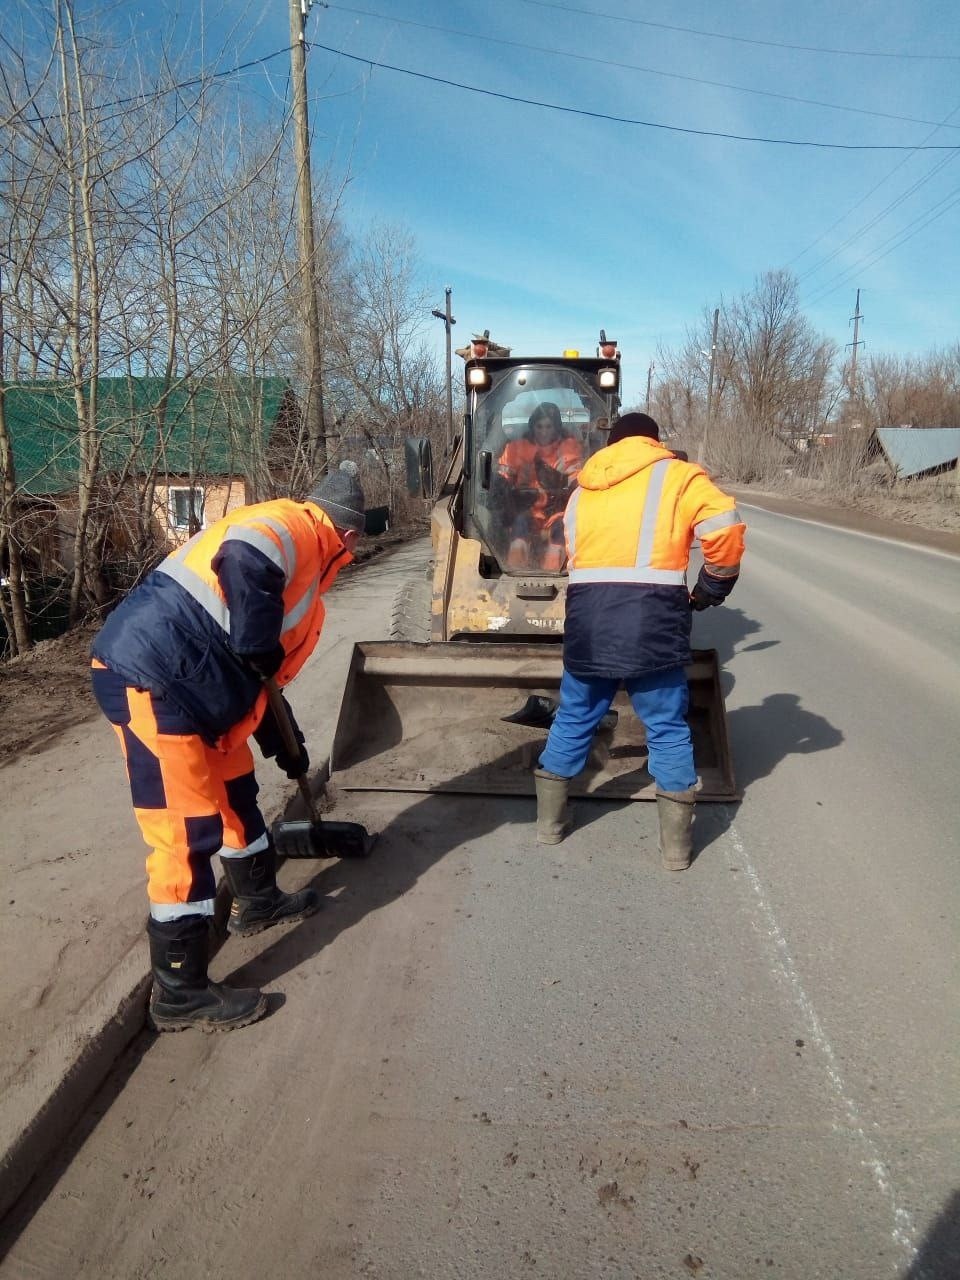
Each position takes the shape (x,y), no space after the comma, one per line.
(257,901)
(183,996)
(553,816)
(675,811)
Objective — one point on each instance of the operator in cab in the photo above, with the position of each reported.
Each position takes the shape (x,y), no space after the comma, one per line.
(538,472)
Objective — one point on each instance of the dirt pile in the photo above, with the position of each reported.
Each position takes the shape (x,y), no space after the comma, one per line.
(45,692)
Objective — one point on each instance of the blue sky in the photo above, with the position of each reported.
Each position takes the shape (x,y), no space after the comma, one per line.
(548,225)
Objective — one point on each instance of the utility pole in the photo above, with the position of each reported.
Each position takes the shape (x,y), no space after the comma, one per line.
(713,363)
(316,449)
(448,322)
(852,376)
(649,381)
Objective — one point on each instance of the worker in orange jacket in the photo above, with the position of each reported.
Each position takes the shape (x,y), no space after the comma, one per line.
(178,670)
(629,525)
(538,471)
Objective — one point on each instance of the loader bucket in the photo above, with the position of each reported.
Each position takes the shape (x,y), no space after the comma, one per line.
(429,717)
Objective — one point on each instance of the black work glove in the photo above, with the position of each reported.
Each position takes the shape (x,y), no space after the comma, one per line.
(702,599)
(268,739)
(266,664)
(293,766)
(549,476)
(711,589)
(511,500)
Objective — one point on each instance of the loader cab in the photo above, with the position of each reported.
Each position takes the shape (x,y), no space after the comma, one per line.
(530,426)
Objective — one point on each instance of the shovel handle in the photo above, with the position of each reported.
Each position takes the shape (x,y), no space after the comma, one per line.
(280,714)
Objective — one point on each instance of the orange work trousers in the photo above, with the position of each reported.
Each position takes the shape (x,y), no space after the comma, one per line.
(190,800)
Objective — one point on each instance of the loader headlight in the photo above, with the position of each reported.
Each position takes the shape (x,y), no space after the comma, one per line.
(478,378)
(607,378)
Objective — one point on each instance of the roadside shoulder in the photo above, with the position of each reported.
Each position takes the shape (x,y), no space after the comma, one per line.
(848,518)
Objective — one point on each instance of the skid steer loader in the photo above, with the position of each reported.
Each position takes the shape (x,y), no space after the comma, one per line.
(462,699)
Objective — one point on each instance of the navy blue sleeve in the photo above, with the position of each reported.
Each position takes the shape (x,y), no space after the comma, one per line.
(267,733)
(716,585)
(253,587)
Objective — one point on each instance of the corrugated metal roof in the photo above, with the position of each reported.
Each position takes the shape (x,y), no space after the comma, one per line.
(911,451)
(208,424)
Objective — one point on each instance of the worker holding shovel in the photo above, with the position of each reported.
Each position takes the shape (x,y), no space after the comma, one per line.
(179,670)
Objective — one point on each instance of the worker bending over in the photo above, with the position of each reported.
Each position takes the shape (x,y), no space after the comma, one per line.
(178,670)
(629,527)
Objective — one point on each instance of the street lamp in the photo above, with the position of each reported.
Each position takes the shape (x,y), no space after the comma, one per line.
(448,323)
(712,353)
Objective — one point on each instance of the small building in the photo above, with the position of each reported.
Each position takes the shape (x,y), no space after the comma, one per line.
(912,452)
(176,457)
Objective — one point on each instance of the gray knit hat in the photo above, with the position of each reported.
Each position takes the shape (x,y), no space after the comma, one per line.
(339,494)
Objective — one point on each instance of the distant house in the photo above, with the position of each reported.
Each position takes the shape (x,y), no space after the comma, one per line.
(911,452)
(192,455)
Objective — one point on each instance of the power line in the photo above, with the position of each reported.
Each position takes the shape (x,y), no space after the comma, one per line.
(876,187)
(769,44)
(646,124)
(878,217)
(885,247)
(627,66)
(154,94)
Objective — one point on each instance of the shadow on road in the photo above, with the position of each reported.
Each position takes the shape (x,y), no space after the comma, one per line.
(408,846)
(763,735)
(938,1257)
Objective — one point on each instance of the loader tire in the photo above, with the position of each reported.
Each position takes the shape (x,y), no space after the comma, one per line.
(411,612)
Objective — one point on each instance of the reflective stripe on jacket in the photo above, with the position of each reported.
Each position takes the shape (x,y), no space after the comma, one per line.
(253,580)
(629,528)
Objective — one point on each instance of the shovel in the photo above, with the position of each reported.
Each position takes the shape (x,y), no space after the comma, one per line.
(315,838)
(538,713)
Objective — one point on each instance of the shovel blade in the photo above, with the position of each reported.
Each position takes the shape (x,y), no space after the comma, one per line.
(322,839)
(537,712)
(295,840)
(344,839)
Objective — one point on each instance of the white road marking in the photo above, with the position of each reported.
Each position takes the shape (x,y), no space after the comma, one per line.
(904,1230)
(856,533)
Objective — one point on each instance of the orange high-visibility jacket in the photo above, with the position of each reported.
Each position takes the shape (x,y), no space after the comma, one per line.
(253,580)
(629,527)
(518,466)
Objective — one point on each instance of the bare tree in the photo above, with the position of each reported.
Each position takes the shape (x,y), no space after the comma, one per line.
(778,366)
(924,392)
(146,236)
(385,383)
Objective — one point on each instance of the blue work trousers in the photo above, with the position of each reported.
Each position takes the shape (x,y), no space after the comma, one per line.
(660,701)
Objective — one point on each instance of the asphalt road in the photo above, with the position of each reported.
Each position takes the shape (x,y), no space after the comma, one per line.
(491,1059)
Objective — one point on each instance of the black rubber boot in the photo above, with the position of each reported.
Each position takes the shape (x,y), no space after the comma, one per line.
(257,902)
(183,996)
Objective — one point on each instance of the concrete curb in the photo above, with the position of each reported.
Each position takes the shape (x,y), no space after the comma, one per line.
(43,1106)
